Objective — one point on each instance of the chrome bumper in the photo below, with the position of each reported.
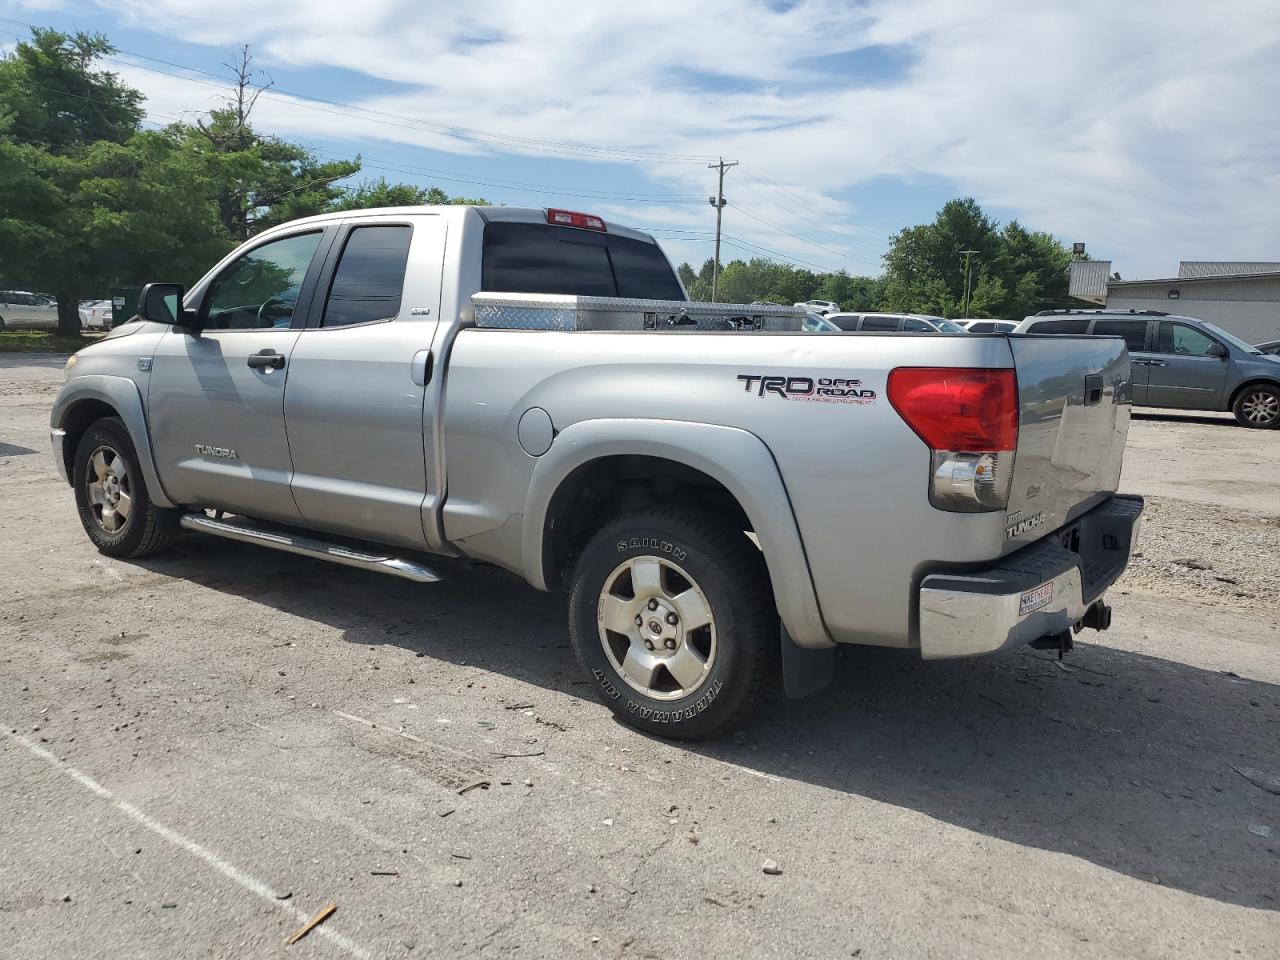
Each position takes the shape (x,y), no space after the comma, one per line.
(1044,588)
(58,437)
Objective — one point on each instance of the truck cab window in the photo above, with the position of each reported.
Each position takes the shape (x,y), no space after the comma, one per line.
(370,276)
(542,258)
(259,290)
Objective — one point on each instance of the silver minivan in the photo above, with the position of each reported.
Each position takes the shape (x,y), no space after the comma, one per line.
(891,322)
(21,310)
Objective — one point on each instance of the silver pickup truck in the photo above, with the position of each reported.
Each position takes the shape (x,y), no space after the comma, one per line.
(724,496)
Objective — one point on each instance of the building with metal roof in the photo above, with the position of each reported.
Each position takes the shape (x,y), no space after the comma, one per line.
(1242,297)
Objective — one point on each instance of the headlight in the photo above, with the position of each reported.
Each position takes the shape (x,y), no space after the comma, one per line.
(71,364)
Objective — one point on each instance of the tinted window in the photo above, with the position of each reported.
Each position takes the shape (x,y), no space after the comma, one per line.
(259,290)
(1133,331)
(1075,325)
(919,326)
(880,323)
(981,327)
(370,276)
(541,258)
(1183,341)
(845,321)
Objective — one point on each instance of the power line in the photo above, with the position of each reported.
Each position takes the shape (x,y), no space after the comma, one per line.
(781,229)
(308,101)
(455,176)
(745,245)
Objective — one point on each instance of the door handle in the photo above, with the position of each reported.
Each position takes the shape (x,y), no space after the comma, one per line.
(266,360)
(1156,363)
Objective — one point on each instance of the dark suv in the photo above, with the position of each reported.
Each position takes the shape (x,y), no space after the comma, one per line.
(1181,362)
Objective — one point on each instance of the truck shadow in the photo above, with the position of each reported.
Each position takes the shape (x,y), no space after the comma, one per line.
(1121,759)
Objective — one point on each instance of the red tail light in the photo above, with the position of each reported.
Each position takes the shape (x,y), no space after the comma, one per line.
(953,408)
(571,218)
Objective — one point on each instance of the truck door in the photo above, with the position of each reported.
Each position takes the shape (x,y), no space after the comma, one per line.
(1182,373)
(1135,334)
(216,395)
(362,389)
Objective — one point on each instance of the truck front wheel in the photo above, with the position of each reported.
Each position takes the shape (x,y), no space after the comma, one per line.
(671,616)
(111,495)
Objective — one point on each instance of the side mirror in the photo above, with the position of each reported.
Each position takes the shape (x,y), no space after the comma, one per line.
(162,303)
(1218,350)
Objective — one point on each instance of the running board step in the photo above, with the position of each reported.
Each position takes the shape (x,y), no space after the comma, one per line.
(244,531)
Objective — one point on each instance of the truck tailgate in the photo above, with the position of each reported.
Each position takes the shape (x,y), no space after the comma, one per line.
(1074,401)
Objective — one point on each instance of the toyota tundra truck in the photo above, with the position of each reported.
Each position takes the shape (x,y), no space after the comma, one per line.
(723,496)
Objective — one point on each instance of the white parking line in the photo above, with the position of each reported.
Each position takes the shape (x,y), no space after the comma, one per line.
(254,886)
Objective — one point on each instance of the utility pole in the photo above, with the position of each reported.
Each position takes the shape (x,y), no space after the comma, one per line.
(966,254)
(718,202)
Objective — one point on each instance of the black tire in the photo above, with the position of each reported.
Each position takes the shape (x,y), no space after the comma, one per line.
(146,528)
(1258,406)
(2,326)
(738,649)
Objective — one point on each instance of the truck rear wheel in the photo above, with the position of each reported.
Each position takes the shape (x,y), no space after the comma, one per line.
(1258,406)
(671,616)
(111,495)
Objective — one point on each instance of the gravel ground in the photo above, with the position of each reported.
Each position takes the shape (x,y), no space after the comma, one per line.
(201,750)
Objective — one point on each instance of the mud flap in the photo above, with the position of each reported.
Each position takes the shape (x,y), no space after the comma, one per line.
(805,671)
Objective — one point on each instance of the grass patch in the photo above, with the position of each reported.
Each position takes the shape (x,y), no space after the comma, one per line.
(40,341)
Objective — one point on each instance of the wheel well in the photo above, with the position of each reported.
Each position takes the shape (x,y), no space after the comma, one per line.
(79,419)
(1255,382)
(600,490)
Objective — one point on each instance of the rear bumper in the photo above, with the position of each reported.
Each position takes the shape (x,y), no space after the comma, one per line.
(1043,589)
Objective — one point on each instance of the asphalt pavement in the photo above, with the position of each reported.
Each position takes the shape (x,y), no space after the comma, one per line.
(202,750)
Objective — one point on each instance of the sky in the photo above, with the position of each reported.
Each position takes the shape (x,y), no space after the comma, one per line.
(1145,129)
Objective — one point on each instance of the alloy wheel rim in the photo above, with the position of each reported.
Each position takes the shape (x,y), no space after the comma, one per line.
(1261,407)
(109,488)
(656,628)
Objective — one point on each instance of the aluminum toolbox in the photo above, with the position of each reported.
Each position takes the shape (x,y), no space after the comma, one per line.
(549,311)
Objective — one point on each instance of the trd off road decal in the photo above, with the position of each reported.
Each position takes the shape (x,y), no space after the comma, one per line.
(820,390)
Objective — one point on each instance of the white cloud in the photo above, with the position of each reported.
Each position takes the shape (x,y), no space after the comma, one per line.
(1145,128)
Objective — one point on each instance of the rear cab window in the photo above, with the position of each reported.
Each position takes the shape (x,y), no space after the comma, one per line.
(543,258)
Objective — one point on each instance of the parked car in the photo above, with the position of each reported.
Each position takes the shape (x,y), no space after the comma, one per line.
(23,310)
(817,323)
(903,491)
(1182,363)
(891,322)
(1271,348)
(982,325)
(95,314)
(819,306)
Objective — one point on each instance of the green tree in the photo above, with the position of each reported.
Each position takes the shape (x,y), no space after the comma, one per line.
(1013,272)
(380,193)
(260,181)
(88,200)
